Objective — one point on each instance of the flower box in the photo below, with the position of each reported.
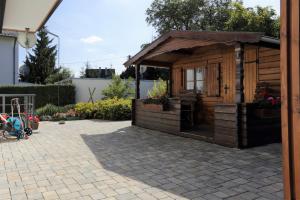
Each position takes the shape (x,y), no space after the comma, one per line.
(154,107)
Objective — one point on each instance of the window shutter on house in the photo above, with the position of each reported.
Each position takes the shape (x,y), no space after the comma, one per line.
(213,80)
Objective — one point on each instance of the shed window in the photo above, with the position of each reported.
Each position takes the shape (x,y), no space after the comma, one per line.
(200,79)
(190,79)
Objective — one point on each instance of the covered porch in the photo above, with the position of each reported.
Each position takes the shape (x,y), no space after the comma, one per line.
(213,80)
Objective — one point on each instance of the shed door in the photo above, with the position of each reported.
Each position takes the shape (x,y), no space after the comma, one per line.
(250,72)
(228,70)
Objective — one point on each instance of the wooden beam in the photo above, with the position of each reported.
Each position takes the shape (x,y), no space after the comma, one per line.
(2,12)
(239,59)
(138,81)
(290,91)
(181,53)
(156,63)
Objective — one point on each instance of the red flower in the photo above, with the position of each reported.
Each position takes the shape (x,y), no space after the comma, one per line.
(34,119)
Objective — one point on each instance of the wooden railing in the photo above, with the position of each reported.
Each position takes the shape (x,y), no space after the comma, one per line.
(165,121)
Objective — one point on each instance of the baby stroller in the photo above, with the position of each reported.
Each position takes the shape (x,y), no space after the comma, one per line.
(15,126)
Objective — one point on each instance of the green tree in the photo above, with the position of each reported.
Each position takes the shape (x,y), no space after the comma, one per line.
(258,19)
(118,89)
(83,70)
(166,15)
(128,73)
(62,74)
(42,62)
(211,15)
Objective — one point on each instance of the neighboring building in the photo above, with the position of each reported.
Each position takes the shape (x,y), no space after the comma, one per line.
(214,77)
(100,73)
(9,73)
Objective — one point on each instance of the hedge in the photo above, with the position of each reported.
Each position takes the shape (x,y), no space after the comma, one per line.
(59,95)
(109,109)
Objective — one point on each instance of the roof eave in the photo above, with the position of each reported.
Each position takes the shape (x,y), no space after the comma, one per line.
(50,14)
(156,42)
(242,37)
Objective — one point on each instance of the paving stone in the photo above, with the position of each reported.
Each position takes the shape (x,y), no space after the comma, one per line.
(112,160)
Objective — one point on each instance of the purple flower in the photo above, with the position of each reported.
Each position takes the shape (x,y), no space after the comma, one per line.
(270,99)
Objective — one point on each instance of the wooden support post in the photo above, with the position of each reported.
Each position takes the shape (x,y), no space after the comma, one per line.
(170,82)
(239,58)
(239,89)
(133,112)
(290,94)
(138,81)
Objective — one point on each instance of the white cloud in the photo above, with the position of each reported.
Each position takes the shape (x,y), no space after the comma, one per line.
(91,40)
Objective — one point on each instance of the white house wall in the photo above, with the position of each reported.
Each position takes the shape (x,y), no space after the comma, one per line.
(8,69)
(83,85)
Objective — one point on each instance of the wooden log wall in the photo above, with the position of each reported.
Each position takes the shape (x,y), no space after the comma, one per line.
(165,121)
(261,64)
(203,57)
(226,125)
(250,71)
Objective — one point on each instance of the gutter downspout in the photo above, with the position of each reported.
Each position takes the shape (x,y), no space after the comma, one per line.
(14,60)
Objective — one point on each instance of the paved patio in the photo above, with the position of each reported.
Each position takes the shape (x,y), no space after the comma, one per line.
(111,160)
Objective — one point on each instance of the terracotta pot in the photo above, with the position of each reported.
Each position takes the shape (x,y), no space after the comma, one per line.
(153,107)
(34,125)
(264,113)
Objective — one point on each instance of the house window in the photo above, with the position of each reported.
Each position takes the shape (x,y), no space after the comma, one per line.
(200,79)
(190,79)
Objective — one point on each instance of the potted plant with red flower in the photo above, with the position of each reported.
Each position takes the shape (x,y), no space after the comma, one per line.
(34,122)
(267,105)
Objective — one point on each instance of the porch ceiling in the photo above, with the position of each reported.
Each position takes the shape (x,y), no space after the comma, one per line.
(17,15)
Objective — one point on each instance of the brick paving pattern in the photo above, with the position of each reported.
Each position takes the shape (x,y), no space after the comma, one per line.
(111,160)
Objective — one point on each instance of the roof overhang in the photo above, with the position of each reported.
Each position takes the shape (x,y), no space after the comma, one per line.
(181,42)
(19,15)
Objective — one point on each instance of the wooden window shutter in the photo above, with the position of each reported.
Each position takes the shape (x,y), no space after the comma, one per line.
(213,80)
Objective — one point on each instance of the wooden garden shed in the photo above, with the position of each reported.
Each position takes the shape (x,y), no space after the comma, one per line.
(213,81)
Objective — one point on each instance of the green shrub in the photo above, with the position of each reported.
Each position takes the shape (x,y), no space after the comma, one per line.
(109,109)
(85,110)
(49,110)
(118,89)
(69,107)
(45,94)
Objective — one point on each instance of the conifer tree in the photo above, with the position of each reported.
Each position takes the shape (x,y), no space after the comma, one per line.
(41,62)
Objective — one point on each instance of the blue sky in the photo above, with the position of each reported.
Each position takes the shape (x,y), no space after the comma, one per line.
(105,32)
